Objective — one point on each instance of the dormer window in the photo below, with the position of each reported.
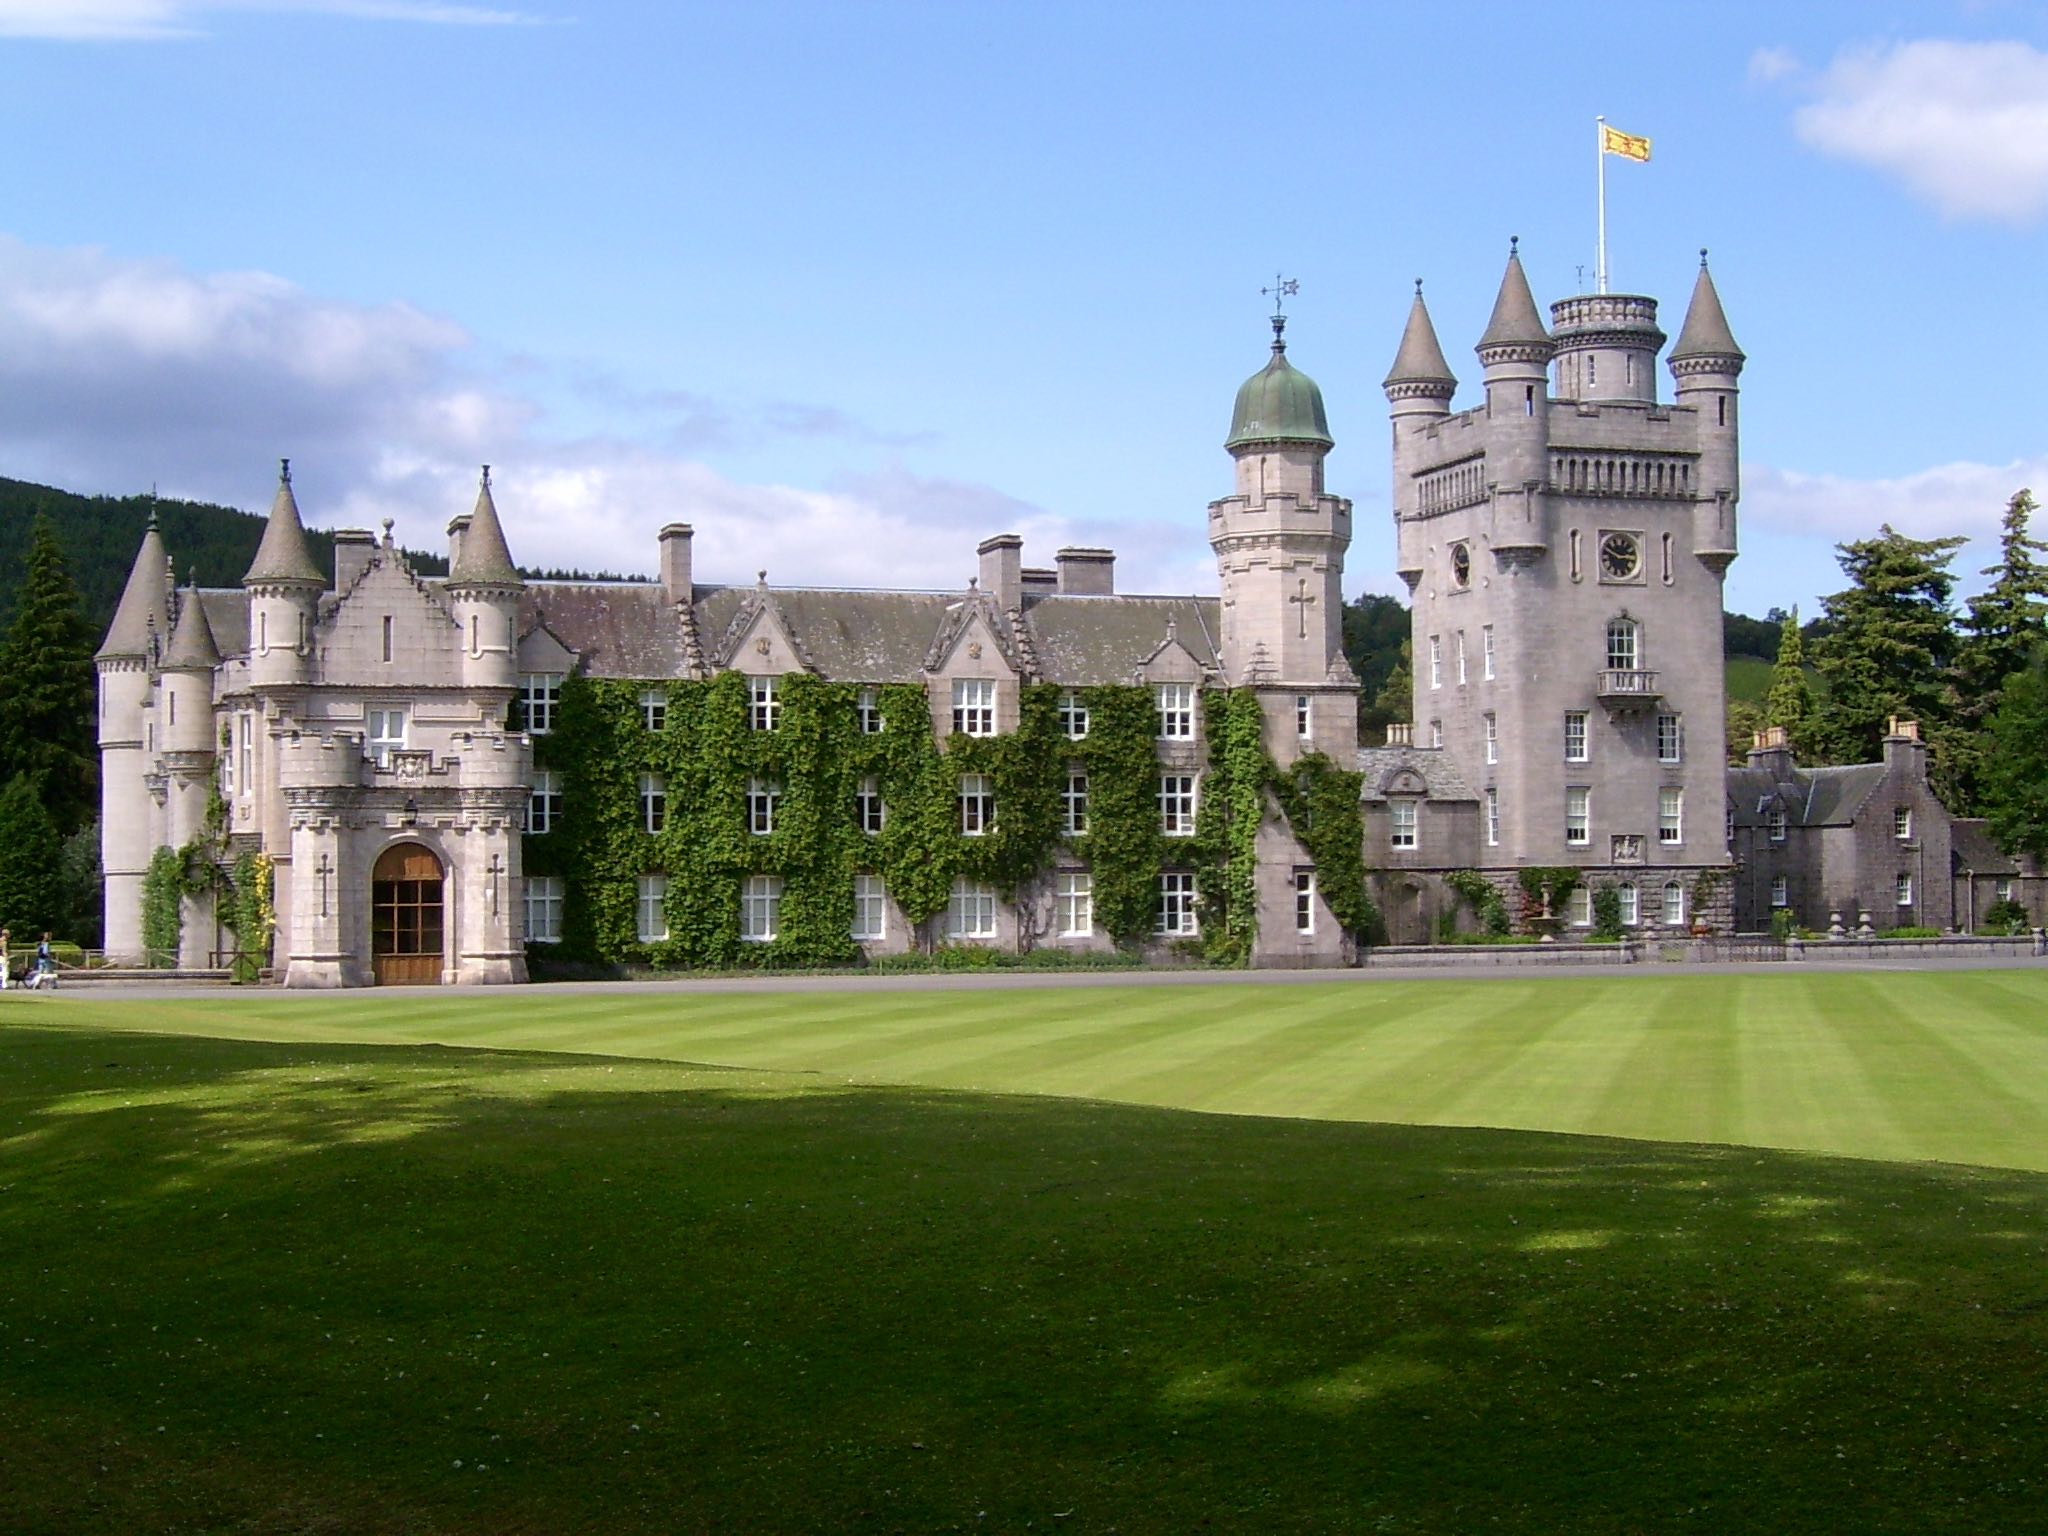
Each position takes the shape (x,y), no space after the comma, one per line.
(974,706)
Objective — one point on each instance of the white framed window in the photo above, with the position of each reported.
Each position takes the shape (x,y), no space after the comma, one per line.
(1403,824)
(1486,661)
(652,914)
(977,805)
(1074,803)
(1436,734)
(974,706)
(1576,748)
(1177,711)
(1776,821)
(1176,905)
(1631,904)
(1073,716)
(653,802)
(543,909)
(764,799)
(1624,650)
(1177,804)
(761,908)
(383,734)
(1578,907)
(1459,649)
(1304,717)
(1902,823)
(1674,904)
(540,696)
(1074,904)
(1304,901)
(1670,815)
(544,801)
(867,709)
(1781,891)
(1578,817)
(870,909)
(1492,725)
(764,704)
(869,810)
(1905,890)
(2001,890)
(245,746)
(1436,661)
(1670,739)
(1493,818)
(971,910)
(654,709)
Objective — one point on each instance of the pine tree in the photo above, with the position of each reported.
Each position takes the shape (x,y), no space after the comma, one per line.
(1744,721)
(1789,702)
(2001,628)
(1396,701)
(1891,640)
(29,895)
(2013,781)
(46,689)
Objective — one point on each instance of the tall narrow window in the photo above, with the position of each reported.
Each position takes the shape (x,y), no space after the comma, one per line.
(387,637)
(1781,891)
(1177,804)
(977,805)
(652,913)
(761,909)
(1073,716)
(1578,817)
(1493,818)
(971,911)
(1074,905)
(1631,904)
(764,799)
(1902,823)
(1074,803)
(870,909)
(1460,648)
(246,738)
(1176,905)
(1492,724)
(867,706)
(1578,908)
(1575,748)
(1577,564)
(653,709)
(1777,821)
(868,808)
(1177,711)
(653,802)
(1304,722)
(1670,815)
(974,706)
(1304,901)
(544,802)
(543,909)
(1674,904)
(1624,650)
(1668,574)
(1486,652)
(1436,734)
(1670,739)
(1905,890)
(764,704)
(1403,822)
(1436,661)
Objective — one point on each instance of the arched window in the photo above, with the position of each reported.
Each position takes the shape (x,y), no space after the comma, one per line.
(1624,649)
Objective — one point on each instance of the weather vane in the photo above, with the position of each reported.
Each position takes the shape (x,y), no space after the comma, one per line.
(1283,288)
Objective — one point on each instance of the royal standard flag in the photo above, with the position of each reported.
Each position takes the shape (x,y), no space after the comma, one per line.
(1630,146)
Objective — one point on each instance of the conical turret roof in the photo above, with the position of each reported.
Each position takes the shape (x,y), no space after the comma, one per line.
(1705,333)
(192,647)
(483,558)
(141,610)
(1421,358)
(1279,403)
(283,555)
(1515,321)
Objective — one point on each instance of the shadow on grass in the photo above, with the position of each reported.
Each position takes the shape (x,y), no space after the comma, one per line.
(362,1288)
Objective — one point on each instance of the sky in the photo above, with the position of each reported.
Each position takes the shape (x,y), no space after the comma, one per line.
(850,286)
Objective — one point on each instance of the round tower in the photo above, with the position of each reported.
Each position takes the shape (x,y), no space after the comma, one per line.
(483,590)
(1607,346)
(1705,367)
(1516,353)
(1419,388)
(124,660)
(284,587)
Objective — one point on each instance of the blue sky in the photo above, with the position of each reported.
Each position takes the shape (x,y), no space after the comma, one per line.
(850,286)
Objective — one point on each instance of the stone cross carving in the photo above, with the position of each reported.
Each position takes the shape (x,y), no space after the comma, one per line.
(1302,602)
(324,870)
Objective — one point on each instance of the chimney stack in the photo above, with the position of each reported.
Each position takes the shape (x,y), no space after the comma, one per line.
(1002,570)
(1087,572)
(352,550)
(675,563)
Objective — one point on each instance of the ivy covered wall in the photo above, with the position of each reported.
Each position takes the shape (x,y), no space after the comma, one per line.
(707,753)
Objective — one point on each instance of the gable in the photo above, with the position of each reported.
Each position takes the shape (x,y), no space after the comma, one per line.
(974,651)
(1172,662)
(763,645)
(542,650)
(387,630)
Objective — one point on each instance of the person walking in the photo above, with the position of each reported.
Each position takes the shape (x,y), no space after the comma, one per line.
(6,959)
(46,966)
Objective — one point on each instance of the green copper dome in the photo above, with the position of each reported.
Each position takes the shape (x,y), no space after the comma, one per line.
(1279,403)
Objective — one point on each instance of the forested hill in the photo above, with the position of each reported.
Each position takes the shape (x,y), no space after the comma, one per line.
(209,544)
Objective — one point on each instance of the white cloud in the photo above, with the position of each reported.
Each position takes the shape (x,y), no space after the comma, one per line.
(147,20)
(119,374)
(1767,65)
(1963,125)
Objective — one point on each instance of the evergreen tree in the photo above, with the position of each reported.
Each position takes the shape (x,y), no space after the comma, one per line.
(1395,703)
(2001,628)
(1744,721)
(2013,779)
(1789,701)
(81,887)
(46,688)
(1889,644)
(29,894)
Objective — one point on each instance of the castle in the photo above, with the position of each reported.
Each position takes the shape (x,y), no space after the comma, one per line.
(383,738)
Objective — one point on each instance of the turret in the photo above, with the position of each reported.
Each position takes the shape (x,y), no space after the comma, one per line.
(133,640)
(185,679)
(1279,434)
(483,593)
(1419,389)
(1705,366)
(1516,352)
(284,587)
(1607,347)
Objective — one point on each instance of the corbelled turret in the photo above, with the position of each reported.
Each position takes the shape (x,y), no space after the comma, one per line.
(1705,367)
(483,591)
(284,587)
(1517,351)
(141,618)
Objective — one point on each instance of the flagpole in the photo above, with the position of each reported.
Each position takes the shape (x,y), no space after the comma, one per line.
(1600,158)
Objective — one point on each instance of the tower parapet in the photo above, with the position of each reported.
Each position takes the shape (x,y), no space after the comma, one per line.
(1607,345)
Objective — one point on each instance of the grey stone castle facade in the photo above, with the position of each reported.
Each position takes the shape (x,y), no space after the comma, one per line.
(1564,542)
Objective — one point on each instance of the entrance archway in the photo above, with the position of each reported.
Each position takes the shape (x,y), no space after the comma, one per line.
(406,917)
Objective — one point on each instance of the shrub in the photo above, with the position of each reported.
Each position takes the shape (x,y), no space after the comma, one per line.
(2006,917)
(1913,933)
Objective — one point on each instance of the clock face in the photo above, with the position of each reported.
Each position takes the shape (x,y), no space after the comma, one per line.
(1461,565)
(1620,556)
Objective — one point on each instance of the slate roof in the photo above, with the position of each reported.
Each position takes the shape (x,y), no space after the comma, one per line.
(1439,775)
(1083,641)
(192,647)
(620,629)
(1813,797)
(144,601)
(1705,332)
(283,556)
(1971,848)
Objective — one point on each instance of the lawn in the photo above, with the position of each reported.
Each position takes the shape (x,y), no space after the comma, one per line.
(340,1280)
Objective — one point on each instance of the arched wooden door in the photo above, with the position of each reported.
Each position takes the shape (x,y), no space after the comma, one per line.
(406,911)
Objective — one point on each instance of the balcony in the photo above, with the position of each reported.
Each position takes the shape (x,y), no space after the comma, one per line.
(1623,688)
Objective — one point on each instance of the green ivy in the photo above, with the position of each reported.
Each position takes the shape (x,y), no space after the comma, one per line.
(251,914)
(1484,898)
(1123,845)
(1227,819)
(163,918)
(1321,803)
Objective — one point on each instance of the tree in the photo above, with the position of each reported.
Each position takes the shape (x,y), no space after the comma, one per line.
(2001,628)
(2013,778)
(46,688)
(1375,629)
(29,894)
(1789,701)
(1395,703)
(1744,721)
(1890,642)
